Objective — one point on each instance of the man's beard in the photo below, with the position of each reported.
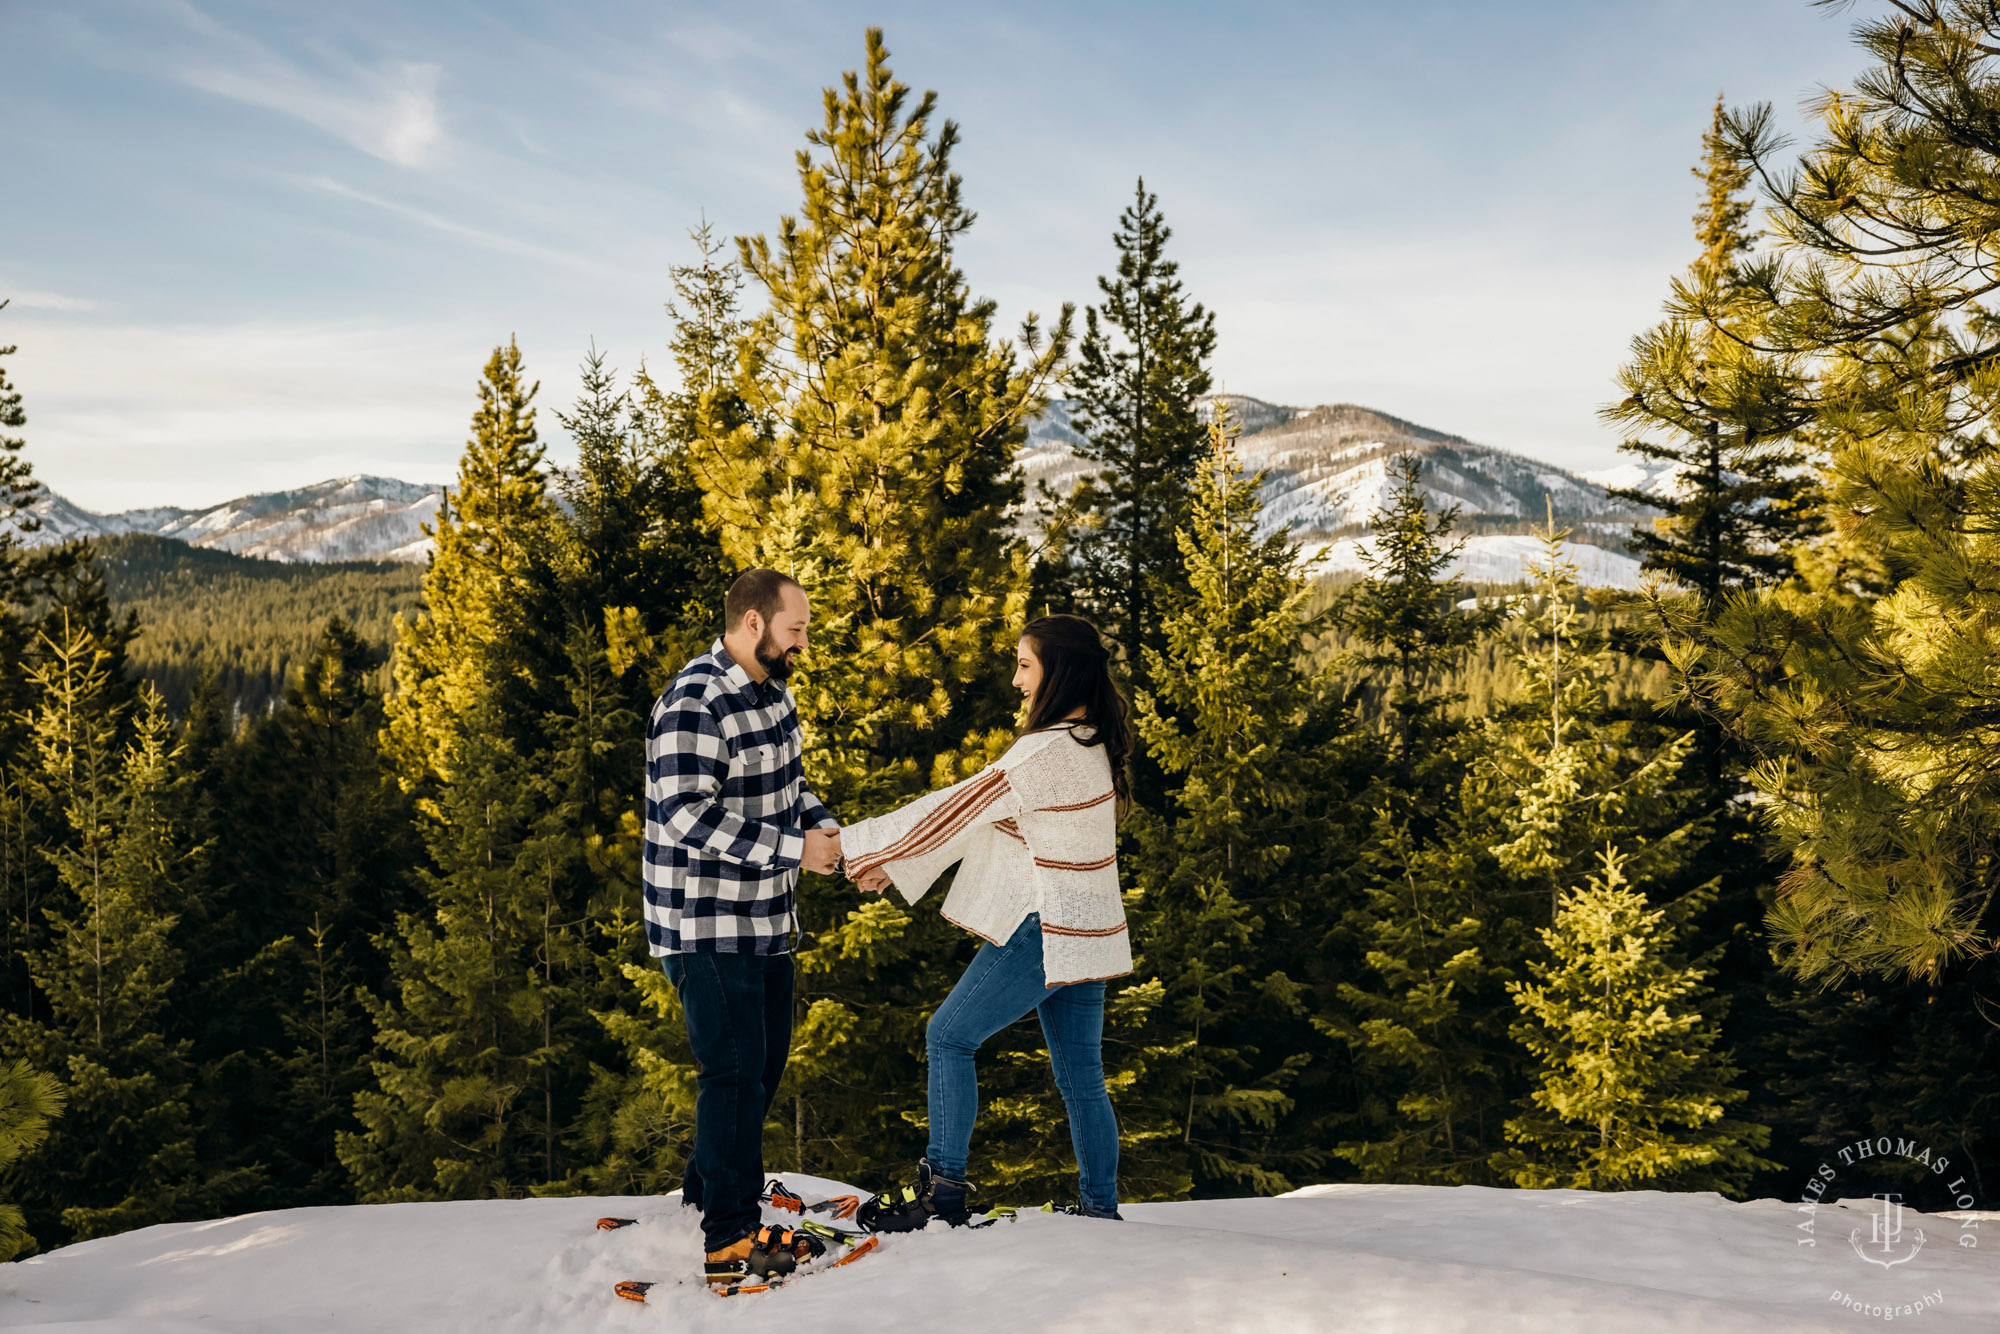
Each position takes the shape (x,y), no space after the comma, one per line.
(778,665)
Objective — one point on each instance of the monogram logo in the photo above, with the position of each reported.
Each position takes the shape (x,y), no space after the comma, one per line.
(1885,1233)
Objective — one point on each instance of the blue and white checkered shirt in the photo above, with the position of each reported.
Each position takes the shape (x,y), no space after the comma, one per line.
(727,808)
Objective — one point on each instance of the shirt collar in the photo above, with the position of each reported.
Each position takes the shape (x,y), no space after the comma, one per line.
(732,671)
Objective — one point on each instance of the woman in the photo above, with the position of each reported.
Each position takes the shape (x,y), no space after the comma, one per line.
(1037,835)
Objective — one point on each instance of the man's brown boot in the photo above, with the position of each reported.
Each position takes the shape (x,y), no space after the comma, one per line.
(762,1257)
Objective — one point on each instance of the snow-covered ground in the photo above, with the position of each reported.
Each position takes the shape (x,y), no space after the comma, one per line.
(1500,558)
(1373,1259)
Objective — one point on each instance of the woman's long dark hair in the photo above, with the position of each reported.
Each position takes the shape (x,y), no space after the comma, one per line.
(1076,673)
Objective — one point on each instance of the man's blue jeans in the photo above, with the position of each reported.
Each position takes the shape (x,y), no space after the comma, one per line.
(738,1009)
(1002,984)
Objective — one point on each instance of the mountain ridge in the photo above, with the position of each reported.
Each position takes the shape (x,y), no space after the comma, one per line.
(1324,470)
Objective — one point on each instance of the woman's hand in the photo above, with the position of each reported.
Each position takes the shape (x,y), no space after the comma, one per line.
(874,881)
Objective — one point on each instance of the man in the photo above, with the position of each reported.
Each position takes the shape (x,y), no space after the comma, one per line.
(729,822)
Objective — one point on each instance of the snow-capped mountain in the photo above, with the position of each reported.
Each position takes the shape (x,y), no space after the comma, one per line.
(345,518)
(1326,470)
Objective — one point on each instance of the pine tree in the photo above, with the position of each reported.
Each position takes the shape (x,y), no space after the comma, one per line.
(1863,683)
(1142,368)
(1413,993)
(635,540)
(29,1100)
(709,327)
(1423,1013)
(496,1075)
(18,487)
(1564,773)
(467,1075)
(1223,887)
(316,854)
(488,626)
(873,461)
(449,1116)
(1709,400)
(1455,884)
(123,1155)
(1406,617)
(1632,1090)
(18,490)
(876,461)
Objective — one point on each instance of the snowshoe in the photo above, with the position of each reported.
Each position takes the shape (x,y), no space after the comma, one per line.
(911,1207)
(1007,1213)
(761,1258)
(785,1200)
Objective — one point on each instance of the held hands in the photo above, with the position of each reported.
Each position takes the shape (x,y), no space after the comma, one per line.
(822,852)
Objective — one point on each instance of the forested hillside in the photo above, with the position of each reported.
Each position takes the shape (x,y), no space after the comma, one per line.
(1673,890)
(248,622)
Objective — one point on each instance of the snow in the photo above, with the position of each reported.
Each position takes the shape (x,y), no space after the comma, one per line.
(1495,558)
(1654,479)
(1381,1259)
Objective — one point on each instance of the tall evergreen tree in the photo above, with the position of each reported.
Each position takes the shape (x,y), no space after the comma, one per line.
(1406,617)
(1224,887)
(709,329)
(317,849)
(1414,994)
(1707,398)
(466,1102)
(1423,1013)
(1865,682)
(874,463)
(1632,1089)
(18,490)
(124,1154)
(1142,367)
(635,538)
(632,1133)
(487,631)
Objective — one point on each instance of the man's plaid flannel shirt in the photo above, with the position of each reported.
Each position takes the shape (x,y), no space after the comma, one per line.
(727,808)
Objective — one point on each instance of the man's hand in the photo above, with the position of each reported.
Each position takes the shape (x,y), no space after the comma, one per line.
(822,850)
(875,881)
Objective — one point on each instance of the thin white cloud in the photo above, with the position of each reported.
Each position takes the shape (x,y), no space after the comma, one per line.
(44,301)
(389,111)
(491,240)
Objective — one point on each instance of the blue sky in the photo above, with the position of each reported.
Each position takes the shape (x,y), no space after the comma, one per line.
(256,244)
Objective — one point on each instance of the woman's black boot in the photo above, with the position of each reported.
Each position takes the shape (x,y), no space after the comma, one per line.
(911,1207)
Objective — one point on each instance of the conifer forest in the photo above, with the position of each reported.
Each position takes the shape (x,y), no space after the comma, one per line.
(326,889)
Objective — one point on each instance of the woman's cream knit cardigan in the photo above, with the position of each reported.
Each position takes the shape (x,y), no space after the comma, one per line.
(1037,832)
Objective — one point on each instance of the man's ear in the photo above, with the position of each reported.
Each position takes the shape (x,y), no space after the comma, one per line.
(753,623)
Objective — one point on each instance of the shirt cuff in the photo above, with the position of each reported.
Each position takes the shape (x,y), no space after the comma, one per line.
(791,848)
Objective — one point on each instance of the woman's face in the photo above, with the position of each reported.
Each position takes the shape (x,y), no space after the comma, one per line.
(1028,673)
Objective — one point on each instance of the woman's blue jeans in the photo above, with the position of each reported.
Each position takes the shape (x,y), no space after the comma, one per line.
(1002,984)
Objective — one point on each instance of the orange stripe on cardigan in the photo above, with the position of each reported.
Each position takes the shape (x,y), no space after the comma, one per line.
(1012,829)
(1048,930)
(1048,864)
(1081,805)
(939,827)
